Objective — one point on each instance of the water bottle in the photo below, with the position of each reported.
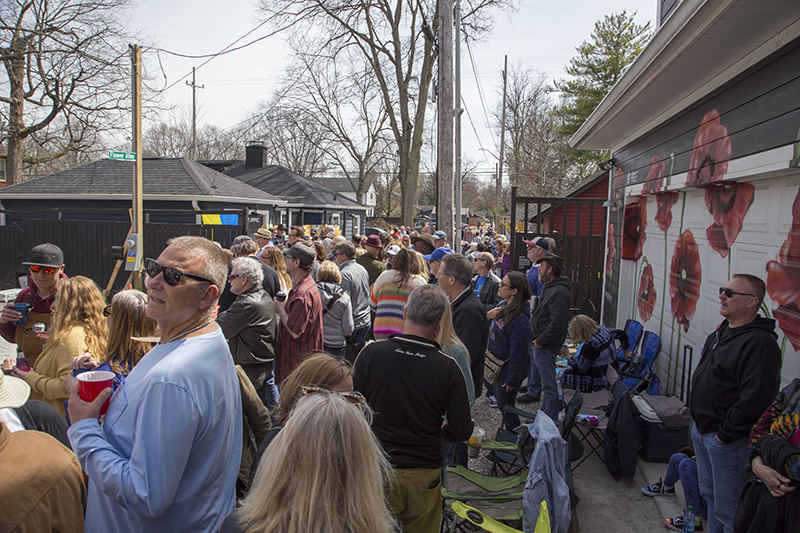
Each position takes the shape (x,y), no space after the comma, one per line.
(688,519)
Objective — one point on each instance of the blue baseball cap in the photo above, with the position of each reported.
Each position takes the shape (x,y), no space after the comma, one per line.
(438,254)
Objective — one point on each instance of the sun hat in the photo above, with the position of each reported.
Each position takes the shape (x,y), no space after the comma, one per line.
(374,241)
(14,392)
(554,260)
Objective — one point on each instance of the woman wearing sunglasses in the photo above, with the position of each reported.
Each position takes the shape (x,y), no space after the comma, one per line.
(78,327)
(325,471)
(46,269)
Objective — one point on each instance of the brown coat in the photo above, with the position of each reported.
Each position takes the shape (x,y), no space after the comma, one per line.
(256,420)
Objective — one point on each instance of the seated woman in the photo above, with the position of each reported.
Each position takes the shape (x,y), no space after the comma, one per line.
(587,370)
(325,472)
(78,327)
(772,502)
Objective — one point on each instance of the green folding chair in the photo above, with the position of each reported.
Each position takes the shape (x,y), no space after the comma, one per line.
(499,498)
(473,516)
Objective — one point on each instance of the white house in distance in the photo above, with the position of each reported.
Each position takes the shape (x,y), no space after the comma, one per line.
(704,131)
(343,187)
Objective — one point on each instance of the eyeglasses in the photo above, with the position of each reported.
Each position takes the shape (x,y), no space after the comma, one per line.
(37,268)
(107,310)
(172,276)
(504,284)
(729,293)
(355,398)
(233,277)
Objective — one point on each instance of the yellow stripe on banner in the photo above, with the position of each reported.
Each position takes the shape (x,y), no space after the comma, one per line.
(212,220)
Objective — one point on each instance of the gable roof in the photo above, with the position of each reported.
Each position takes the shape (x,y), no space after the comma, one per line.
(171,178)
(290,186)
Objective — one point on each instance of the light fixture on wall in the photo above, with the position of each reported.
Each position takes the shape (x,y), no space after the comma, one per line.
(610,203)
(607,165)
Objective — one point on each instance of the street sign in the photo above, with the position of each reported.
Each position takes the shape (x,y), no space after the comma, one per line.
(122,156)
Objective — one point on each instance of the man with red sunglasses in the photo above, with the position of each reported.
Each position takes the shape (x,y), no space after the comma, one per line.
(46,268)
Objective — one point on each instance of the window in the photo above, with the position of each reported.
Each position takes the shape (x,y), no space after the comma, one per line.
(2,170)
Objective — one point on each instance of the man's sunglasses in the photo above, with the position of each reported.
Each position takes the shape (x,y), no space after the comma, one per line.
(729,293)
(172,276)
(47,270)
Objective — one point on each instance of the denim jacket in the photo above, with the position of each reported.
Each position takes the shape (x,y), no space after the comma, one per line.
(547,477)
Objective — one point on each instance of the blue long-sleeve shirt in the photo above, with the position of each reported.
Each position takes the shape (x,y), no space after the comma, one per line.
(168,453)
(509,341)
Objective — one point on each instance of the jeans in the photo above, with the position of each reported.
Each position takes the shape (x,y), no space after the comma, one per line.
(336,352)
(682,468)
(461,457)
(504,397)
(360,336)
(271,394)
(719,469)
(534,379)
(546,362)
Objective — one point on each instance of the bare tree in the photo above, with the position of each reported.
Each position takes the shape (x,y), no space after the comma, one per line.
(65,65)
(391,38)
(174,139)
(536,149)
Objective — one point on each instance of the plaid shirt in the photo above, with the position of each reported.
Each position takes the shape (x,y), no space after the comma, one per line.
(304,316)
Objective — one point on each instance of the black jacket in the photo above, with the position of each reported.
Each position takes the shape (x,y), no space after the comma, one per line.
(488,297)
(736,379)
(471,326)
(551,316)
(41,416)
(621,439)
(250,325)
(271,284)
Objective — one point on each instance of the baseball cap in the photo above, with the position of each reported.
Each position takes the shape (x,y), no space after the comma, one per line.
(302,251)
(46,254)
(438,254)
(392,250)
(439,235)
(541,242)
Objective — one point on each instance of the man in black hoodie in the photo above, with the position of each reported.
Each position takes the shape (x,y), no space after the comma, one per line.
(549,321)
(734,383)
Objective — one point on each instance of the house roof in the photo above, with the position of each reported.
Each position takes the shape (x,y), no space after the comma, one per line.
(702,45)
(587,184)
(290,186)
(169,178)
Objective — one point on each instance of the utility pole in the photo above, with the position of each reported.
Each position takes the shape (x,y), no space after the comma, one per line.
(194,86)
(444,209)
(137,211)
(458,111)
(502,149)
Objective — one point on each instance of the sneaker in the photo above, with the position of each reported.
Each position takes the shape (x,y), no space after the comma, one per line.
(492,401)
(524,388)
(527,398)
(658,489)
(676,523)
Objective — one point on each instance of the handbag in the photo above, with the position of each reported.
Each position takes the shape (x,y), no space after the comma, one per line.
(492,367)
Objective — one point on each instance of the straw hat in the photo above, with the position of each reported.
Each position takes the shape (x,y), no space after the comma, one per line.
(14,392)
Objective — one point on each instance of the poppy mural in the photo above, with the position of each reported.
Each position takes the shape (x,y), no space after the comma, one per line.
(728,203)
(612,249)
(711,151)
(617,189)
(655,175)
(646,301)
(783,280)
(664,203)
(633,229)
(685,275)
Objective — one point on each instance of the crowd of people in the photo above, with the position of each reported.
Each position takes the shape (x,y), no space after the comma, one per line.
(313,383)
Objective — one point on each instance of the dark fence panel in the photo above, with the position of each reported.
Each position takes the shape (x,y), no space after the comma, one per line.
(87,245)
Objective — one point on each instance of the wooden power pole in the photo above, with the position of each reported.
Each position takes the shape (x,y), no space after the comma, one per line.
(137,213)
(194,86)
(444,209)
(499,191)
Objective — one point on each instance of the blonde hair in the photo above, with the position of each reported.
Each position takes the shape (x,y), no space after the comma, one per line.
(325,472)
(127,320)
(582,328)
(329,271)
(273,256)
(80,303)
(318,370)
(446,336)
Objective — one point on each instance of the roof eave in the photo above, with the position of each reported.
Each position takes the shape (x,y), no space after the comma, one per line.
(127,197)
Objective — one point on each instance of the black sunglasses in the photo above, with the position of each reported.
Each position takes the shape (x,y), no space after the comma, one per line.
(172,276)
(233,277)
(729,293)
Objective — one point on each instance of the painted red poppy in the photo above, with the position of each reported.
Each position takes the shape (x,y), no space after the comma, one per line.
(728,203)
(685,276)
(783,280)
(664,202)
(612,249)
(655,175)
(617,189)
(711,152)
(647,294)
(633,229)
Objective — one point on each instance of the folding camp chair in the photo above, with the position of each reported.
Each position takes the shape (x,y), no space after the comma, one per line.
(594,404)
(479,519)
(587,308)
(638,373)
(634,330)
(499,498)
(509,453)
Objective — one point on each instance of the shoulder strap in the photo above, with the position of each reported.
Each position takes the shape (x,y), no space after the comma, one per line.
(334,298)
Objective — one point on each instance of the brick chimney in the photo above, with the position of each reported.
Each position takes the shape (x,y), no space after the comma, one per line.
(255,154)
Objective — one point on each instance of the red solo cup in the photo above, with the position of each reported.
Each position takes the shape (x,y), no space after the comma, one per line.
(91,384)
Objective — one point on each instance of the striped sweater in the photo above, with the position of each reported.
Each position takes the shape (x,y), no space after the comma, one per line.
(388,300)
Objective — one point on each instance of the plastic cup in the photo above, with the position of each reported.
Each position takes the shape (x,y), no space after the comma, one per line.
(23,308)
(91,384)
(475,442)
